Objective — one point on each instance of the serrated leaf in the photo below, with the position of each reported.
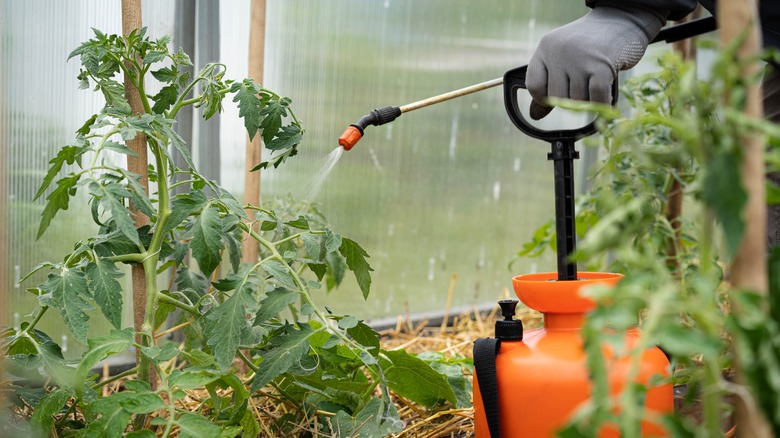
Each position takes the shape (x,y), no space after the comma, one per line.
(42,419)
(112,197)
(160,354)
(84,130)
(100,348)
(414,379)
(196,426)
(248,105)
(300,223)
(71,295)
(107,291)
(225,325)
(58,200)
(165,98)
(365,336)
(165,74)
(192,379)
(114,93)
(272,118)
(206,244)
(356,262)
(288,349)
(141,403)
(279,272)
(286,138)
(138,195)
(273,303)
(112,421)
(154,56)
(183,206)
(119,147)
(377,419)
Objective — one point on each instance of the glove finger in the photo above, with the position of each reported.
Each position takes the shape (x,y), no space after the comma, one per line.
(558,85)
(578,88)
(600,88)
(536,80)
(539,110)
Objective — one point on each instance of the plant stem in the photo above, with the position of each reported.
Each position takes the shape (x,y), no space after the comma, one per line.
(129,372)
(163,298)
(38,315)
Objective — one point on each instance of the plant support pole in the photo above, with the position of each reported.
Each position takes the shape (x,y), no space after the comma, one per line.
(749,268)
(131,20)
(254,148)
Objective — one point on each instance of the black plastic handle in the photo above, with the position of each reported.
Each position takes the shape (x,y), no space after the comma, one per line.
(514,80)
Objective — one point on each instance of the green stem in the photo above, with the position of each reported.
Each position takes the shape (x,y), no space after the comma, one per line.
(129,372)
(38,315)
(304,291)
(134,258)
(248,362)
(163,298)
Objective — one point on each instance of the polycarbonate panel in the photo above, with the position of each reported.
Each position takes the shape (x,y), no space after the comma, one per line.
(452,189)
(42,108)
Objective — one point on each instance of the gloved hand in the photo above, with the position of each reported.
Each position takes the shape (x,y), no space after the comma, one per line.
(581,59)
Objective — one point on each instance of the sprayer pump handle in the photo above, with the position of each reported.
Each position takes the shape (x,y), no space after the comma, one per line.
(514,80)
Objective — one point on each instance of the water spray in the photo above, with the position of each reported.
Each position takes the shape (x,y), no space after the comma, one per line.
(381,116)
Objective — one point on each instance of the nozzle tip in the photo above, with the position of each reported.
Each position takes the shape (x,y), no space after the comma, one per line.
(350,137)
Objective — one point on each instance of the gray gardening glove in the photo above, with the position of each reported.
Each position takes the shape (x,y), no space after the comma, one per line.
(581,59)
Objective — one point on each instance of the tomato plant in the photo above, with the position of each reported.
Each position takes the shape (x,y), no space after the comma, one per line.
(676,132)
(259,316)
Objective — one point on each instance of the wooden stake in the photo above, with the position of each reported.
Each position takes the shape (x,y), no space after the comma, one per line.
(254,148)
(748,271)
(131,20)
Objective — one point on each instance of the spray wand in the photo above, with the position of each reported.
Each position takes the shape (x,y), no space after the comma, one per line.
(381,116)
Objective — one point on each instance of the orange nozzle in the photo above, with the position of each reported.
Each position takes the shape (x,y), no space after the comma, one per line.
(350,136)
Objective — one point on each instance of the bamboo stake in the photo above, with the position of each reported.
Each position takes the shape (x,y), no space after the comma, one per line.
(254,148)
(748,270)
(131,20)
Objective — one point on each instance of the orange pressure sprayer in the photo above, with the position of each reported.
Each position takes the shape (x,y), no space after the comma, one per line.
(529,384)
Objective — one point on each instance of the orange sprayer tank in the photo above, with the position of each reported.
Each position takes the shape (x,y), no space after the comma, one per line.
(542,379)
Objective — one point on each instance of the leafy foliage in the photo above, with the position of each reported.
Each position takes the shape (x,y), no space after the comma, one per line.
(230,312)
(679,134)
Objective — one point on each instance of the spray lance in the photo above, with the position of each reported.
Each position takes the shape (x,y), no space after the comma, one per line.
(381,116)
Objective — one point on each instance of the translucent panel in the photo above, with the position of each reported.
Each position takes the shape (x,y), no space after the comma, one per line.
(452,189)
(41,109)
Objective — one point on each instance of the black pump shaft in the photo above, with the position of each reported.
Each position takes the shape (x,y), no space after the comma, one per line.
(563,155)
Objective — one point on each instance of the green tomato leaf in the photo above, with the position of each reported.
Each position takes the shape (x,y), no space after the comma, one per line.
(58,200)
(287,138)
(112,421)
(114,93)
(119,147)
(724,193)
(414,379)
(206,242)
(225,325)
(192,379)
(356,262)
(154,56)
(272,118)
(165,98)
(279,272)
(100,348)
(66,155)
(102,279)
(51,404)
(166,74)
(288,349)
(365,336)
(273,303)
(71,295)
(248,105)
(196,426)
